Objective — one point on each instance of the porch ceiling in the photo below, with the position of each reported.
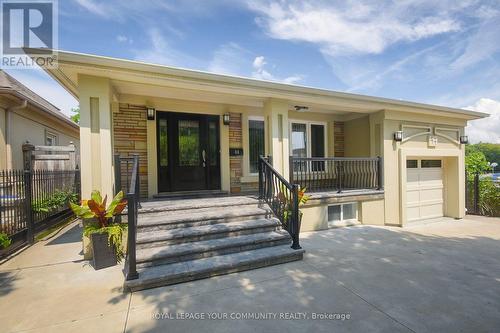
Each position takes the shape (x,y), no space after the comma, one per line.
(131,77)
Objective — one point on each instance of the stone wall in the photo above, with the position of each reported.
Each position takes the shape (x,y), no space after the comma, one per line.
(338,139)
(235,162)
(130,136)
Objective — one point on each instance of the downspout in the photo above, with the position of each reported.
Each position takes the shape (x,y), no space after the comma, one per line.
(8,131)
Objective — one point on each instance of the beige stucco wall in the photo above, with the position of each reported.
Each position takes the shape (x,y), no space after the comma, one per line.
(32,130)
(395,155)
(29,124)
(357,137)
(3,148)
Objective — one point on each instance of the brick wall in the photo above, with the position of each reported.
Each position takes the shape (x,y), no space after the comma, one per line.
(338,139)
(130,136)
(235,162)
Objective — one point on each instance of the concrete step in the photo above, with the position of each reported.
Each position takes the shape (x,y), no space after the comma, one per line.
(196,250)
(151,277)
(198,217)
(205,232)
(153,206)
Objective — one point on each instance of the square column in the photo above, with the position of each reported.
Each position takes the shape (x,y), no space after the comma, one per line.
(96,152)
(276,113)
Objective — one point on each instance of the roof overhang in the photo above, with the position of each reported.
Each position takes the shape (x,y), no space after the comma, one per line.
(133,77)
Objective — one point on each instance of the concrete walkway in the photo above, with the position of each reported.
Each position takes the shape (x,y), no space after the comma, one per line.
(439,277)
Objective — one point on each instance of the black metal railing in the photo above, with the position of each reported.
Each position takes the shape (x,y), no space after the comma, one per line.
(32,201)
(336,173)
(282,197)
(127,169)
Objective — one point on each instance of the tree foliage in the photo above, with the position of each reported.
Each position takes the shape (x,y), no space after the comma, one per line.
(76,116)
(491,151)
(475,162)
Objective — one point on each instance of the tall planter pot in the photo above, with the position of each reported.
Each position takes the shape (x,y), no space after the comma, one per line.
(104,254)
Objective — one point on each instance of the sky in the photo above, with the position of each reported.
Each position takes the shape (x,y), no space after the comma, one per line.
(444,52)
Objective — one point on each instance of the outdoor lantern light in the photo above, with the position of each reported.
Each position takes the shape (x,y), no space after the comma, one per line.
(226,119)
(398,136)
(151,114)
(464,139)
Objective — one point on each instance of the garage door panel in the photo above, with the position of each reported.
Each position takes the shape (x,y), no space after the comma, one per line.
(424,193)
(431,194)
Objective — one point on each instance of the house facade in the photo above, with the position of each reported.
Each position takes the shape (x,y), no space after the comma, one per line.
(198,132)
(25,116)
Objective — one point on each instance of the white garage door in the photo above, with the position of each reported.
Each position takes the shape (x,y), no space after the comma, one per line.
(424,189)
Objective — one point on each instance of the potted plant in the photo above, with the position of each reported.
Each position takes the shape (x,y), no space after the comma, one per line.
(285,200)
(106,235)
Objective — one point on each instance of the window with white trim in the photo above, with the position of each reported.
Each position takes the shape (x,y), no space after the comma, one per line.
(50,139)
(343,212)
(255,143)
(308,139)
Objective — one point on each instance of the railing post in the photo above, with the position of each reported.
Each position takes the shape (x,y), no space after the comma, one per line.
(476,193)
(138,181)
(132,215)
(261,179)
(295,218)
(118,174)
(379,173)
(290,168)
(340,174)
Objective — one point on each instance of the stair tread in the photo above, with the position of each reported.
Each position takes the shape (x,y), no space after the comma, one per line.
(172,205)
(151,236)
(149,254)
(212,264)
(201,214)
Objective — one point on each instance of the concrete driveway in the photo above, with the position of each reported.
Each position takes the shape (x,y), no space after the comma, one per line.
(439,277)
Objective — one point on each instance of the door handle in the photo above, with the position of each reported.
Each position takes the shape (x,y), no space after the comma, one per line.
(203,153)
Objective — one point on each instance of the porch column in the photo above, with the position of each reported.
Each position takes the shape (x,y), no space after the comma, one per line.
(95,135)
(276,112)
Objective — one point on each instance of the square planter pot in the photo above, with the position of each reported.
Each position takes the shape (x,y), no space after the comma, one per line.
(87,243)
(103,254)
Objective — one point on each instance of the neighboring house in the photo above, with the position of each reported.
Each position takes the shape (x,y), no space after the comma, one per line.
(25,116)
(206,132)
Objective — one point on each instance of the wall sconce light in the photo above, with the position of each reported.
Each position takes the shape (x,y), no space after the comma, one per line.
(151,113)
(226,119)
(398,136)
(464,139)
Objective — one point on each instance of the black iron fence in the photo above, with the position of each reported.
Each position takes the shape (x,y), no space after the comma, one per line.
(282,197)
(336,173)
(482,195)
(34,200)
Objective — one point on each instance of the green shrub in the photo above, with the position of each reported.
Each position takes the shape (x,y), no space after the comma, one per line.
(56,200)
(489,198)
(4,241)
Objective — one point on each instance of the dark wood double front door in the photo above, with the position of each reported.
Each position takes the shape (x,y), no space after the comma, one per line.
(188,152)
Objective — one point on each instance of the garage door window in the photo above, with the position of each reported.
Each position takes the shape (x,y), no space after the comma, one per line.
(430,163)
(343,212)
(411,164)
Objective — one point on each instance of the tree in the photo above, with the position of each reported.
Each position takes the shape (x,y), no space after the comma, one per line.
(490,150)
(476,162)
(76,115)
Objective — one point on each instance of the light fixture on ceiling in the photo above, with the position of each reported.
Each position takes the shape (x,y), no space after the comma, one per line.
(301,108)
